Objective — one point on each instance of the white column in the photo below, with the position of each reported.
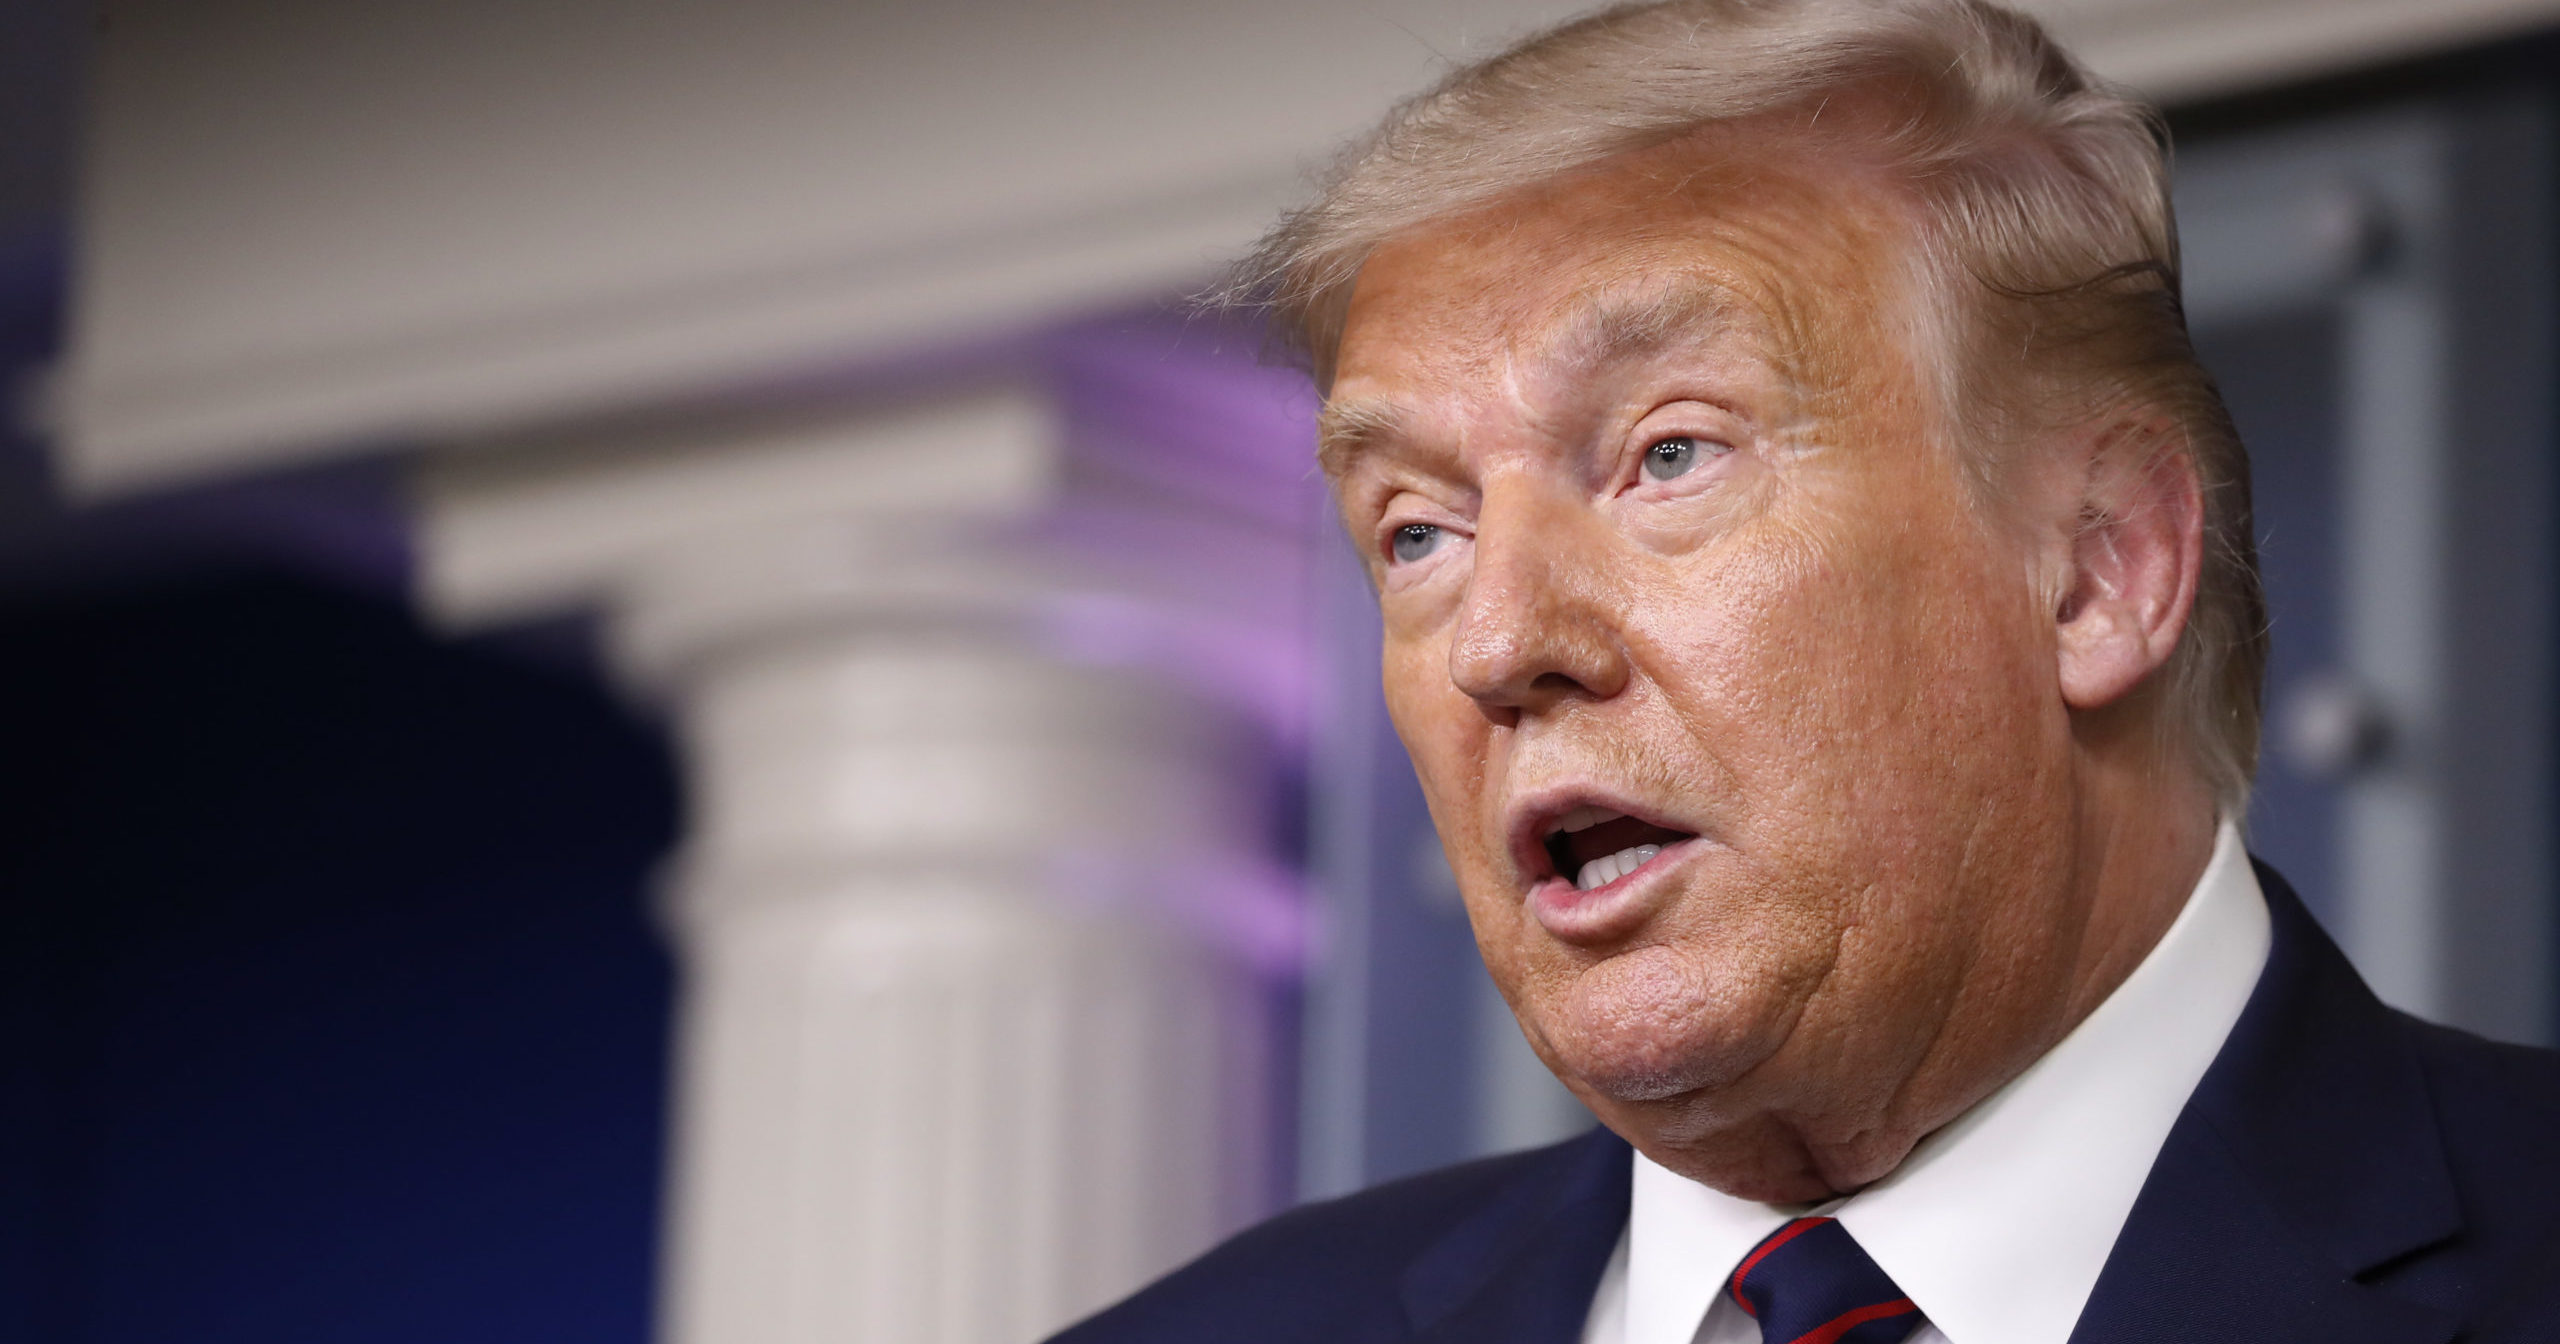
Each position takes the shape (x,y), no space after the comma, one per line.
(931,1093)
(961,1054)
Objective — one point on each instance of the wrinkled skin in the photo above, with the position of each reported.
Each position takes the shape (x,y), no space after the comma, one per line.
(1910,730)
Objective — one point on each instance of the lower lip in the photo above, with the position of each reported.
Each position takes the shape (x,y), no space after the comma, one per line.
(1608,910)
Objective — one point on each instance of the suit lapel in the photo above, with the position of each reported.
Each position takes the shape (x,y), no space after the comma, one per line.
(1523,1270)
(2308,1156)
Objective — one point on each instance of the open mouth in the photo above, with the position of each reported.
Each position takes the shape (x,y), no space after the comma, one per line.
(1593,846)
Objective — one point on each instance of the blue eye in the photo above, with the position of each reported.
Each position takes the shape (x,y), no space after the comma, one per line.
(1414,541)
(1677,456)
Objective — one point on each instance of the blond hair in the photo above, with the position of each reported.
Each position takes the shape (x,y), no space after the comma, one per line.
(2046,254)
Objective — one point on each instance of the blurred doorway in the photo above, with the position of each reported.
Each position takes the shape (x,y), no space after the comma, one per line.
(2374,293)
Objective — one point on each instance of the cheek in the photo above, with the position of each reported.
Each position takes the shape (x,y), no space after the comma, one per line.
(1446,737)
(1424,706)
(1881,673)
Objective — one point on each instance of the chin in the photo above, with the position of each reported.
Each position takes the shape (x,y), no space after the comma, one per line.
(1646,1026)
(1757,1158)
(1772,1185)
(1620,1078)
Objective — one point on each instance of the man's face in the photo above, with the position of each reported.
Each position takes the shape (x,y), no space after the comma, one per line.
(1736,714)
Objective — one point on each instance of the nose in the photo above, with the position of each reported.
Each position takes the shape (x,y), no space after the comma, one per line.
(1537,625)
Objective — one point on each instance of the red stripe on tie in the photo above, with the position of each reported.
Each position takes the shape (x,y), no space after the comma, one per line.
(1847,1321)
(1776,1239)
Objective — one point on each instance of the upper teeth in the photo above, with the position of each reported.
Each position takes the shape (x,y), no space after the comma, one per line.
(1608,868)
(1584,818)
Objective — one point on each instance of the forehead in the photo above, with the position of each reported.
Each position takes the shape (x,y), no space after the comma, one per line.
(1798,264)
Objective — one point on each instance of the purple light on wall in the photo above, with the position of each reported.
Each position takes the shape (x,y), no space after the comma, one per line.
(1193,488)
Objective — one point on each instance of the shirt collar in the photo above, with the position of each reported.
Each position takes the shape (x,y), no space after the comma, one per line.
(1998,1224)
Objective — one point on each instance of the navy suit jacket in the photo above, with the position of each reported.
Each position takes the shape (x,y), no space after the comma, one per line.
(2345,1173)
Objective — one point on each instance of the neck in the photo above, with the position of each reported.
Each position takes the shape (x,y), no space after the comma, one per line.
(2146,831)
(2142,832)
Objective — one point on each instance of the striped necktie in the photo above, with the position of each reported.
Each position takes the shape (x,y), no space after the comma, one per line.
(1809,1283)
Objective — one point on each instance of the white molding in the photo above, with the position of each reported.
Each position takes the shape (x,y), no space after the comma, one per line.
(534,528)
(471,379)
(317,229)
(377,224)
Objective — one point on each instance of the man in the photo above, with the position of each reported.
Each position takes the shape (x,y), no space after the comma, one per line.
(1820,605)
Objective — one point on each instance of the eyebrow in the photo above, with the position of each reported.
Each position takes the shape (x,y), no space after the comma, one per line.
(1602,332)
(1347,429)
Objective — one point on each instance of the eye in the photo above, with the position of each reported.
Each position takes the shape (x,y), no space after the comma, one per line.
(1678,455)
(1413,541)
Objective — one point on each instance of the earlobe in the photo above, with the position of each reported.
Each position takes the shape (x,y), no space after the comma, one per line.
(2134,561)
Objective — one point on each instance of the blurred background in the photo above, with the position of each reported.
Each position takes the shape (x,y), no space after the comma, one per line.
(653,685)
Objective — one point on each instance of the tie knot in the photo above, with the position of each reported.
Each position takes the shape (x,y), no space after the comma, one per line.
(1810,1283)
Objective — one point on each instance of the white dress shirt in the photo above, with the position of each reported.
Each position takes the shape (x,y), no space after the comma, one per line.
(1997,1225)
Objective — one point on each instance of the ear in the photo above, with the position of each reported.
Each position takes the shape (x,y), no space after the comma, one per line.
(2134,560)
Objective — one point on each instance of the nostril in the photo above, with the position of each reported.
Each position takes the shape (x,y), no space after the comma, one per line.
(1529,654)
